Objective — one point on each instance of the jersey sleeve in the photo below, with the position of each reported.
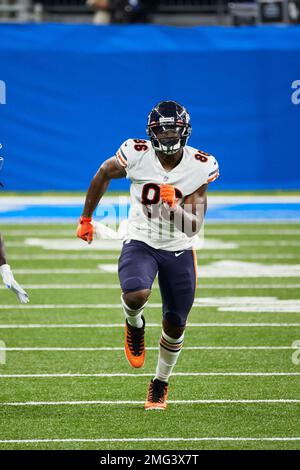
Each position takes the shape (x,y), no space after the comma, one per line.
(123,155)
(212,169)
(204,168)
(130,154)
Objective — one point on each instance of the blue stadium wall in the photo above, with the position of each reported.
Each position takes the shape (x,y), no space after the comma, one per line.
(75,92)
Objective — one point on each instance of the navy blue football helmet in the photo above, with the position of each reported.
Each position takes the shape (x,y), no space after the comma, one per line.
(168,116)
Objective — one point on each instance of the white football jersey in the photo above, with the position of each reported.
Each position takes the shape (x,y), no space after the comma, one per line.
(146,174)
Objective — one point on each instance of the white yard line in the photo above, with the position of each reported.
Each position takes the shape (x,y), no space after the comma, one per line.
(186,348)
(268,243)
(117,286)
(148,439)
(136,375)
(138,402)
(201,256)
(262,309)
(238,305)
(226,268)
(57,271)
(66,256)
(73,286)
(65,306)
(149,325)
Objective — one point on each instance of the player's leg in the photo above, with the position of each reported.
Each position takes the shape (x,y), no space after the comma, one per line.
(137,271)
(177,280)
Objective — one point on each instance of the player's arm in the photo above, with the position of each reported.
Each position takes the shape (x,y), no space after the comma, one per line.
(109,170)
(2,251)
(189,217)
(8,277)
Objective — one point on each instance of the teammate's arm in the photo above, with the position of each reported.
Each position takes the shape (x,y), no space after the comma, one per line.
(109,170)
(2,251)
(189,217)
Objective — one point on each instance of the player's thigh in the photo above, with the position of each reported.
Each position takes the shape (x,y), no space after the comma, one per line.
(137,267)
(177,278)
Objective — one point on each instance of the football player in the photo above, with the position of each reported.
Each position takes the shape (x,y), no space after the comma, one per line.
(5,270)
(169,180)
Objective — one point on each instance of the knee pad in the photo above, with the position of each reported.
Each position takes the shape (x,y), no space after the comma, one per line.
(132,284)
(176,319)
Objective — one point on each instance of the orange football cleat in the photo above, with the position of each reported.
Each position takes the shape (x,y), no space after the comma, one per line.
(85,229)
(157,395)
(135,345)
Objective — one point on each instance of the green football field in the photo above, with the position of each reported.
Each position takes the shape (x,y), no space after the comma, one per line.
(65,382)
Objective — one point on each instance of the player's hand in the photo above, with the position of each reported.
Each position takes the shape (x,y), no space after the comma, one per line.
(11,283)
(168,196)
(85,229)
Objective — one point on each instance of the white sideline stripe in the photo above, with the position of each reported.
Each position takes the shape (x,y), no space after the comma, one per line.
(45,233)
(209,231)
(244,231)
(44,221)
(117,286)
(175,374)
(138,402)
(154,325)
(147,439)
(52,244)
(125,199)
(186,348)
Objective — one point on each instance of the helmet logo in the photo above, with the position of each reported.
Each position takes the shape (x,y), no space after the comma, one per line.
(166,120)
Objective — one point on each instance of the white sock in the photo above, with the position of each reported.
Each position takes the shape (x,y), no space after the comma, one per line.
(134,317)
(169,350)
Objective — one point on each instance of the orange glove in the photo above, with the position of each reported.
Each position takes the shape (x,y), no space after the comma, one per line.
(167,194)
(85,229)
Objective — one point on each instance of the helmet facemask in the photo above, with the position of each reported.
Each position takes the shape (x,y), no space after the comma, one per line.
(168,139)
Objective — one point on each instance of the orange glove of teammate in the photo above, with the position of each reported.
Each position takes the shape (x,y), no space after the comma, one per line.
(85,229)
(168,195)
